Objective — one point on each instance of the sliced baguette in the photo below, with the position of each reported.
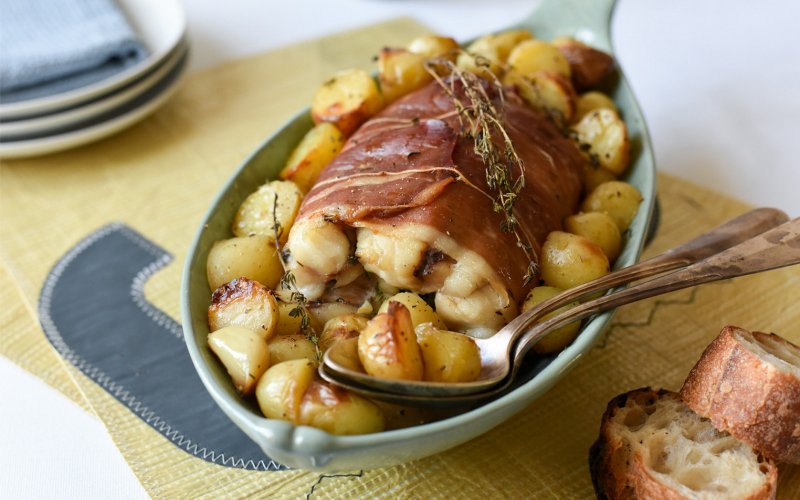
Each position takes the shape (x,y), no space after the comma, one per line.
(749,385)
(653,446)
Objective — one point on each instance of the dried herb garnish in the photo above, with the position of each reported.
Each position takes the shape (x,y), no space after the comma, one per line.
(288,282)
(482,121)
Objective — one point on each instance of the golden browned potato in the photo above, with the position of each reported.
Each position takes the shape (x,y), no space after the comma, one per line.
(388,346)
(599,228)
(290,347)
(341,328)
(606,137)
(420,311)
(244,354)
(258,213)
(347,100)
(253,257)
(594,175)
(591,101)
(560,338)
(507,40)
(448,356)
(317,148)
(589,66)
(432,46)
(618,199)
(568,260)
(401,72)
(533,56)
(281,389)
(244,302)
(338,411)
(488,56)
(546,91)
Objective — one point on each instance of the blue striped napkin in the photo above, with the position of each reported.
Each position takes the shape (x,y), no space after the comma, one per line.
(52,46)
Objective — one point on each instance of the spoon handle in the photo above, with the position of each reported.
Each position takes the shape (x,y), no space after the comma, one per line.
(779,247)
(724,236)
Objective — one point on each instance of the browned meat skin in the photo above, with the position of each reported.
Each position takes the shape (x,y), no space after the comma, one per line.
(409,165)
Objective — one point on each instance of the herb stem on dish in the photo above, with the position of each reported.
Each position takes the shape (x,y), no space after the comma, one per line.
(288,282)
(486,125)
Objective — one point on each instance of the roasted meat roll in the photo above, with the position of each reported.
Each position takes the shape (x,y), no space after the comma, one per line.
(407,200)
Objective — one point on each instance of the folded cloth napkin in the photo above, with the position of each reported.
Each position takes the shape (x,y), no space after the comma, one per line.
(53,46)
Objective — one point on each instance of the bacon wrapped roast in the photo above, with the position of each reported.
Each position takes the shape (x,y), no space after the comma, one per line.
(407,200)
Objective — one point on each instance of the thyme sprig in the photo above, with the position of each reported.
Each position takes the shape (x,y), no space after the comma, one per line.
(482,121)
(289,282)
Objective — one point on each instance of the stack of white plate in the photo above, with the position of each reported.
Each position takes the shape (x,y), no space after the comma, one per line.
(62,121)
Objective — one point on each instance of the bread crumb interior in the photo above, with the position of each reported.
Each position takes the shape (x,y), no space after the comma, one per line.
(685,452)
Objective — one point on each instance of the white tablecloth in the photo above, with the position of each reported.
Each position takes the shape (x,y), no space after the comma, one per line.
(717,81)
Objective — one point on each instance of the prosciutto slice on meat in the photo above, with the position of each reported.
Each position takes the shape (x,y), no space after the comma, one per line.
(407,200)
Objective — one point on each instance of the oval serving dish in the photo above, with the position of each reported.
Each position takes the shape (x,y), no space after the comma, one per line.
(312,449)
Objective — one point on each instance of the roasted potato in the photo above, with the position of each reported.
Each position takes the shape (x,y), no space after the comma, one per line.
(258,213)
(550,92)
(560,338)
(341,328)
(253,257)
(604,136)
(244,302)
(401,72)
(432,46)
(388,348)
(281,389)
(244,354)
(420,311)
(591,101)
(495,49)
(448,356)
(617,199)
(534,56)
(317,148)
(323,311)
(290,347)
(568,260)
(338,411)
(589,66)
(288,324)
(507,40)
(347,100)
(599,228)
(488,59)
(594,175)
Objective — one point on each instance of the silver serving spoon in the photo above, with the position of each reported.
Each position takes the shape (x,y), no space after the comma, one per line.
(781,245)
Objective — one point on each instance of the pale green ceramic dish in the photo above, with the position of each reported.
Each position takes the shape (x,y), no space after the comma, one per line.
(312,449)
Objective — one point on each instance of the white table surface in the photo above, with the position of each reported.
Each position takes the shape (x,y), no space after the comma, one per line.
(717,81)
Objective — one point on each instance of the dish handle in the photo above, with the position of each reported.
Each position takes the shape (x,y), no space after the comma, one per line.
(588,21)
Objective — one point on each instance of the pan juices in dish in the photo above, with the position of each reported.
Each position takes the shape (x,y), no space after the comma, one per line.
(421,211)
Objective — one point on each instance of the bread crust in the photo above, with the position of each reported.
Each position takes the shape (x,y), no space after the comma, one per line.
(612,481)
(750,398)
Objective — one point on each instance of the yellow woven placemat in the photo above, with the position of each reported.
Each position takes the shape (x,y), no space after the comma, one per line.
(160,176)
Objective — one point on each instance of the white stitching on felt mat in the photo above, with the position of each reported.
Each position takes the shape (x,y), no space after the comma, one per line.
(137,293)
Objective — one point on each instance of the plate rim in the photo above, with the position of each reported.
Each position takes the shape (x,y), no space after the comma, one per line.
(55,102)
(41,146)
(85,111)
